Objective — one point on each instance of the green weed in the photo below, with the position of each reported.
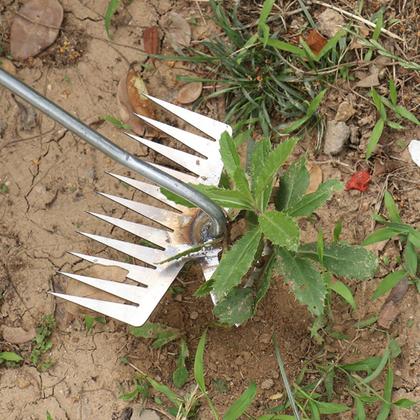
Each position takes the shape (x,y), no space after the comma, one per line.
(10,358)
(110,11)
(116,122)
(381,103)
(161,334)
(91,321)
(273,221)
(4,189)
(43,343)
(409,238)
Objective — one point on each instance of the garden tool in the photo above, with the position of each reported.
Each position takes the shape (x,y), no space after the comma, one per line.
(181,228)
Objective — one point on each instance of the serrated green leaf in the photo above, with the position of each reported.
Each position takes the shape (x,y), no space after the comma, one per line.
(341,289)
(236,308)
(404,403)
(405,113)
(331,408)
(414,238)
(387,283)
(167,392)
(380,235)
(239,407)
(337,231)
(10,356)
(320,246)
(392,92)
(235,263)
(394,125)
(391,207)
(176,198)
(232,164)
(110,11)
(387,404)
(180,375)
(410,258)
(306,281)
(329,383)
(226,198)
(342,259)
(264,181)
(359,409)
(259,158)
(280,229)
(265,279)
(199,363)
(374,137)
(161,334)
(310,202)
(293,184)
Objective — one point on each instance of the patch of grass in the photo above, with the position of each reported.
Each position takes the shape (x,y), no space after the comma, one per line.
(409,239)
(43,343)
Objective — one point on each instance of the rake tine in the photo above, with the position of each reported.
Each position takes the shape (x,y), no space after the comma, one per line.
(129,314)
(148,189)
(121,290)
(191,179)
(156,236)
(193,141)
(166,218)
(144,275)
(188,161)
(140,252)
(212,128)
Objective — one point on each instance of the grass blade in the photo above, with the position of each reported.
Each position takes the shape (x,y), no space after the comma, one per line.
(374,137)
(110,11)
(241,404)
(285,379)
(387,283)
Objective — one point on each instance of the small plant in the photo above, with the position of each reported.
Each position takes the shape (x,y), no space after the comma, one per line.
(91,321)
(409,239)
(381,103)
(116,122)
(161,334)
(141,389)
(43,343)
(180,375)
(10,358)
(4,189)
(273,227)
(110,12)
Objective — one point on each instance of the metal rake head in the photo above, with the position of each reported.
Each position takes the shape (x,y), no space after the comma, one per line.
(180,226)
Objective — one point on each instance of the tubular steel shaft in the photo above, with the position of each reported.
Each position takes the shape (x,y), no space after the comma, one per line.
(115,152)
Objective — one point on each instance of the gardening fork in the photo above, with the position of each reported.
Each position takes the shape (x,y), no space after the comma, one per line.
(182,228)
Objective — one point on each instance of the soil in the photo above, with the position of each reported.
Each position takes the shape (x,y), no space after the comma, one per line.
(52,178)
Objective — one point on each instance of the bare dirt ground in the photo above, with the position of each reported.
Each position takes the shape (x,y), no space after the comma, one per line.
(52,179)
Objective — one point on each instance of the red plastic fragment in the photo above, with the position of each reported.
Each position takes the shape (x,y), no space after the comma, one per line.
(359,181)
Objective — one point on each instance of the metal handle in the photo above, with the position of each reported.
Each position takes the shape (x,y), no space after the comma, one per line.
(218,227)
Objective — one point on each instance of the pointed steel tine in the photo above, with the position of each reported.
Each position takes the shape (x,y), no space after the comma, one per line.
(182,176)
(122,290)
(148,189)
(142,253)
(157,236)
(193,163)
(130,314)
(166,218)
(212,128)
(198,143)
(144,275)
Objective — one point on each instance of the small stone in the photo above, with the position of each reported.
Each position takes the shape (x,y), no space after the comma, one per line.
(149,415)
(265,338)
(194,315)
(330,22)
(336,137)
(345,111)
(239,361)
(267,384)
(354,134)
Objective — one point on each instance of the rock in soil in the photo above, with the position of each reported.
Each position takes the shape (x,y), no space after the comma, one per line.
(336,137)
(330,22)
(146,415)
(345,111)
(267,384)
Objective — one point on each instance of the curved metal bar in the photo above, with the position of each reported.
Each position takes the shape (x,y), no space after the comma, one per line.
(218,227)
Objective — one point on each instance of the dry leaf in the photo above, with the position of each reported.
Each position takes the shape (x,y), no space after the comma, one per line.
(131,100)
(315,41)
(178,31)
(315,178)
(151,41)
(371,80)
(37,30)
(330,22)
(189,93)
